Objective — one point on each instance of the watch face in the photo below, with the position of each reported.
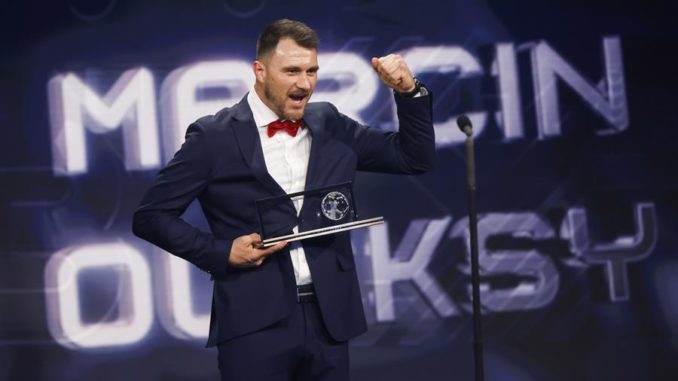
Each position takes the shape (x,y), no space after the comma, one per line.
(334,206)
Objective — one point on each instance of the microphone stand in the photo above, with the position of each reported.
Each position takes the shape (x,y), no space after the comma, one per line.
(464,124)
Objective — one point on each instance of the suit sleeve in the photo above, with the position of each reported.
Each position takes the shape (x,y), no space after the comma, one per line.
(411,150)
(158,218)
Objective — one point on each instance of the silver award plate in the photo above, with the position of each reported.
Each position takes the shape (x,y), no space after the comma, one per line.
(326,210)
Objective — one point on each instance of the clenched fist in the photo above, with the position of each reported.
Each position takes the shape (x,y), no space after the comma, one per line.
(394,72)
(246,251)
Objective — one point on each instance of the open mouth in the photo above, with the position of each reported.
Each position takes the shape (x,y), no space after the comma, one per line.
(297,98)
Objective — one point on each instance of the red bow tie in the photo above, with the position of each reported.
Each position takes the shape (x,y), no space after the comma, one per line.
(288,126)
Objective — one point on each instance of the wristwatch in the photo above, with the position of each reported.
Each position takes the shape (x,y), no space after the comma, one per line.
(418,89)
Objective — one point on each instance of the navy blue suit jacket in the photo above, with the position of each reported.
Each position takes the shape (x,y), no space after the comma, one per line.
(221,163)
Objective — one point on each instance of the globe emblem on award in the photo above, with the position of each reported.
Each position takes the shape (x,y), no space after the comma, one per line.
(334,206)
(333,211)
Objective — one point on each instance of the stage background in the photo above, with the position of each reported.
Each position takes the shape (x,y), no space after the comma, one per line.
(575,109)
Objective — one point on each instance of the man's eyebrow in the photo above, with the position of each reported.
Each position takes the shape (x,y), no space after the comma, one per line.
(297,68)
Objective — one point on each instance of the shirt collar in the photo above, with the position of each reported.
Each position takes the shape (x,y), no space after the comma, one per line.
(261,113)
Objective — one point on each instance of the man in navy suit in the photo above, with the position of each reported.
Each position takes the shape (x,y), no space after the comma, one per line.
(285,312)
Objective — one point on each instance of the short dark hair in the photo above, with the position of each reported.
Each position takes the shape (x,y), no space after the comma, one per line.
(301,33)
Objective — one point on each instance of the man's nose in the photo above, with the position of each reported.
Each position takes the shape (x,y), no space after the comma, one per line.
(303,82)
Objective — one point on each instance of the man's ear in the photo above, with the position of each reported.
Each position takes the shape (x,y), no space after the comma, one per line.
(259,70)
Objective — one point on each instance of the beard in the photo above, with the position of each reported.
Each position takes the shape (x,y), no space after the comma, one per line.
(279,102)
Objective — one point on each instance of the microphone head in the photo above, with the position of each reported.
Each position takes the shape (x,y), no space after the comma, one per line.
(463,121)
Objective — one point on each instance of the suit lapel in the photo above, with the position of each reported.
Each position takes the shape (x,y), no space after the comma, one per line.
(250,145)
(314,122)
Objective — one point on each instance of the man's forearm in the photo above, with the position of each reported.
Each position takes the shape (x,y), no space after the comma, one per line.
(178,237)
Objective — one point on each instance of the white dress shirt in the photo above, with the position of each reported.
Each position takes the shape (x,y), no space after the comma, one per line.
(286,159)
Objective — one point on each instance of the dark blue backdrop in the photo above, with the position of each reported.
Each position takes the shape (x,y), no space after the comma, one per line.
(574,105)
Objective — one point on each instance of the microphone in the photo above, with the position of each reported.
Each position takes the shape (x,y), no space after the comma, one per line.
(464,124)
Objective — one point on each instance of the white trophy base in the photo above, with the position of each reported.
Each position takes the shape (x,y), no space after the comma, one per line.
(323,231)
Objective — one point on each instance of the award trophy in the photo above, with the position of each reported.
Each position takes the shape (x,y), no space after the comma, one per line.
(326,210)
